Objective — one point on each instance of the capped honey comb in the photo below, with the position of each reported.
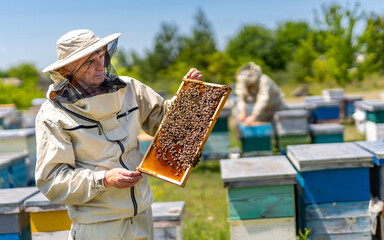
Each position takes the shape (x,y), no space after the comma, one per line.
(177,145)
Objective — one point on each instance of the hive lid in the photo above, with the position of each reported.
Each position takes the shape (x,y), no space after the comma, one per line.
(310,157)
(257,171)
(371,105)
(168,211)
(376,148)
(353,97)
(16,133)
(255,129)
(11,157)
(288,114)
(40,203)
(11,200)
(326,128)
(319,101)
(301,106)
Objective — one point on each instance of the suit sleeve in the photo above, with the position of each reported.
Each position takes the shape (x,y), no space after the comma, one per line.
(56,175)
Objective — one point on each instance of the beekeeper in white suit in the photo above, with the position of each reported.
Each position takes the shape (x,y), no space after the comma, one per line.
(87,147)
(252,86)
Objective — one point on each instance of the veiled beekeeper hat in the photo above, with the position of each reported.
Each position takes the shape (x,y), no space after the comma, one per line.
(77,44)
(249,73)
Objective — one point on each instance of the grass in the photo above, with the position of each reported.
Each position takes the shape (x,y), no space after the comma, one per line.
(206,215)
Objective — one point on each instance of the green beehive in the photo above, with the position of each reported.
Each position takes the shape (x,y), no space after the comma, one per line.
(260,193)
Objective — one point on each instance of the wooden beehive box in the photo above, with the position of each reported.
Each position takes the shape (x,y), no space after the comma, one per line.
(206,99)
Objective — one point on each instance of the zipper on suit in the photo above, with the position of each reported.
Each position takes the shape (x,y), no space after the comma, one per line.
(120,144)
(81,116)
(133,187)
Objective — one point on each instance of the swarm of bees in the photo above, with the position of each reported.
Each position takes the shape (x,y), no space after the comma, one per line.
(186,124)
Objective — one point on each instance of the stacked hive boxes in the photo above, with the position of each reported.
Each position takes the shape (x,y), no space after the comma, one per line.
(309,107)
(348,104)
(51,221)
(48,220)
(261,199)
(168,220)
(377,176)
(217,144)
(325,110)
(326,133)
(256,139)
(10,117)
(21,140)
(14,220)
(291,127)
(13,170)
(333,190)
(335,94)
(374,125)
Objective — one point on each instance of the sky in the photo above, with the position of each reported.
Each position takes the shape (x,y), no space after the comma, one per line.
(29,29)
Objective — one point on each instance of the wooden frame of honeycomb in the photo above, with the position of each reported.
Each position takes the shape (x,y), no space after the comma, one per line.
(180,139)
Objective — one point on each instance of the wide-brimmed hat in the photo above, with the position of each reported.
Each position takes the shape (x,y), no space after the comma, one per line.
(77,44)
(249,73)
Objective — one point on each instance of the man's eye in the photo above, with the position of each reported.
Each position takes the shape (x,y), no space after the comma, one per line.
(90,62)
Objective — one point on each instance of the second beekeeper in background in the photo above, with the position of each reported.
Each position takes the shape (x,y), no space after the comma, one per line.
(252,86)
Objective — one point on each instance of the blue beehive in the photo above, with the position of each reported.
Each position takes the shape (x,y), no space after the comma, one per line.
(256,139)
(261,197)
(326,133)
(14,220)
(377,172)
(291,128)
(217,145)
(348,104)
(21,140)
(13,170)
(331,173)
(326,110)
(221,124)
(377,175)
(339,220)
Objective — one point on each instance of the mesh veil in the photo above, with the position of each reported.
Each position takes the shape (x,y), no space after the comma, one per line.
(109,69)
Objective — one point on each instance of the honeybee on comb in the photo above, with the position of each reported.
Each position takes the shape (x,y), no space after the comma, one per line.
(184,130)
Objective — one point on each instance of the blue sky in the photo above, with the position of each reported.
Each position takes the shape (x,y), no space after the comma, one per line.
(29,29)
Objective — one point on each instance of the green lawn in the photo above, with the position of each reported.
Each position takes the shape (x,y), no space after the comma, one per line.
(206,215)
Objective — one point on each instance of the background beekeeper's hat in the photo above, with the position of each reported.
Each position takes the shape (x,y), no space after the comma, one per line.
(77,44)
(249,73)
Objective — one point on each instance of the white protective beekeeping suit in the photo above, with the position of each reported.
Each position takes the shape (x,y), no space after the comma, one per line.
(255,87)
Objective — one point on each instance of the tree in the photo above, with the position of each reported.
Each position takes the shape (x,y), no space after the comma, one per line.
(372,41)
(289,35)
(23,95)
(300,68)
(252,43)
(194,50)
(339,41)
(162,56)
(27,73)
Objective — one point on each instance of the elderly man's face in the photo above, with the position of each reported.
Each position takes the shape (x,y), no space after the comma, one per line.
(91,72)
